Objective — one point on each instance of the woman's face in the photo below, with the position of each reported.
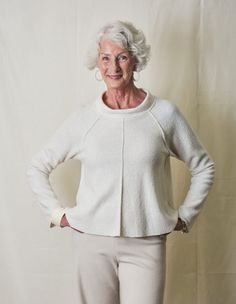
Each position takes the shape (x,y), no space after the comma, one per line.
(116,65)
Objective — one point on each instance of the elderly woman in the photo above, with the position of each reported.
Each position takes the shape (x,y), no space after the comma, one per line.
(124,207)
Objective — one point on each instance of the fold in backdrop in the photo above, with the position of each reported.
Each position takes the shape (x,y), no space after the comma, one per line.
(43,79)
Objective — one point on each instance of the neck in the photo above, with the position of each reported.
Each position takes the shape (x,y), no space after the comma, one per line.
(124,98)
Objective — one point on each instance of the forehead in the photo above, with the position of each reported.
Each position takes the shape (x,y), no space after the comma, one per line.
(111,47)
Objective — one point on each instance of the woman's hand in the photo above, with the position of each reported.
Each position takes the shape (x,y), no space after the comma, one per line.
(180,225)
(64,222)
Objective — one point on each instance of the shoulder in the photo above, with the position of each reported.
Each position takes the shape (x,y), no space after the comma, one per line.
(168,114)
(77,119)
(164,109)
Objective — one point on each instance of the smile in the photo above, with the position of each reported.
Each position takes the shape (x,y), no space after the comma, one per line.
(114,77)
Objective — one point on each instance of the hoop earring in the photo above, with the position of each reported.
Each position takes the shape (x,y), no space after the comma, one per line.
(137,76)
(96,76)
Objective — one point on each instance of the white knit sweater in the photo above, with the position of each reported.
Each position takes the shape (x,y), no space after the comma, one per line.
(125,187)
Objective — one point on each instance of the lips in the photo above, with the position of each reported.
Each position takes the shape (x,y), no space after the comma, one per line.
(115,77)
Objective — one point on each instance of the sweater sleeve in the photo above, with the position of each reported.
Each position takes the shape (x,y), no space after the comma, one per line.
(185,145)
(58,149)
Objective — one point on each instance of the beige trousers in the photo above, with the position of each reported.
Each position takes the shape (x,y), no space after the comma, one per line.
(120,270)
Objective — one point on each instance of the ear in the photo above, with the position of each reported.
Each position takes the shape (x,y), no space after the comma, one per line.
(97,62)
(135,64)
(135,67)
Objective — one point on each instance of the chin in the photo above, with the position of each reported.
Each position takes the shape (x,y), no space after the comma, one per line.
(116,85)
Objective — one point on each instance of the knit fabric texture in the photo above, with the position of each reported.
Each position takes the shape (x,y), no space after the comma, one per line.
(125,186)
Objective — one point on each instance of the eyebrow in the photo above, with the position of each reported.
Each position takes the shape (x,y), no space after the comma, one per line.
(101,53)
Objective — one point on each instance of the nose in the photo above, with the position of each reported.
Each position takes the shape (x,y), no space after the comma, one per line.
(115,66)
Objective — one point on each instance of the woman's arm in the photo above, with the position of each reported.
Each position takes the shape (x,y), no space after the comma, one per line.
(185,145)
(59,149)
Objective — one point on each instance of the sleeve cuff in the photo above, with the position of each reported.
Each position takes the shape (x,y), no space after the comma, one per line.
(57,216)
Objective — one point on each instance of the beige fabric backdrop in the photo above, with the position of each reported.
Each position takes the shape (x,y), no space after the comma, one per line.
(43,79)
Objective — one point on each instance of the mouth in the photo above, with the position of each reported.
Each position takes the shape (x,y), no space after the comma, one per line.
(115,77)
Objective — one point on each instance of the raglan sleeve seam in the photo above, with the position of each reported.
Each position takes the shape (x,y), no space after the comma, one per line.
(164,134)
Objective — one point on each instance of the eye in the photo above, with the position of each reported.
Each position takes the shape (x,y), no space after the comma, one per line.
(105,58)
(122,57)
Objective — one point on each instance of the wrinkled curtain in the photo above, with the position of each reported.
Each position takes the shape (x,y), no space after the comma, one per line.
(43,45)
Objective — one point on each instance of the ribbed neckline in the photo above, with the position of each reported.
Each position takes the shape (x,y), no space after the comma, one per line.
(146,104)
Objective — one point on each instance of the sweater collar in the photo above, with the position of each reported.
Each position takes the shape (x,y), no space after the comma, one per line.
(143,106)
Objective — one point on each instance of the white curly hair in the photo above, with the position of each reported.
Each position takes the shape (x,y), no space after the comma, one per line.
(125,35)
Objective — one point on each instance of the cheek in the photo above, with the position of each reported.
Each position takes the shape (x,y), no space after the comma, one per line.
(101,68)
(128,67)
(128,70)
